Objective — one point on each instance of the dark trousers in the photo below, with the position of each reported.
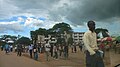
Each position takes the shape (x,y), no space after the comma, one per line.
(30,51)
(80,48)
(60,54)
(56,55)
(19,52)
(94,60)
(6,51)
(35,55)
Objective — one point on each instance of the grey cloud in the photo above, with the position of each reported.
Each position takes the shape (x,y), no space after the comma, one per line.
(76,11)
(11,27)
(83,10)
(98,10)
(34,4)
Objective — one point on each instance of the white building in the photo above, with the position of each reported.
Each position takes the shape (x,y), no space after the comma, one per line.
(43,39)
(77,36)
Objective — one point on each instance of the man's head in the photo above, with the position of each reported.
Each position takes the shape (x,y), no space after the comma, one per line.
(91,25)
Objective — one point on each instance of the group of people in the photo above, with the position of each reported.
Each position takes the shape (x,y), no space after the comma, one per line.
(74,46)
(7,47)
(93,54)
(50,50)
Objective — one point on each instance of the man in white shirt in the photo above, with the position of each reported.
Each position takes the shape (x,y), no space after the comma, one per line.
(93,58)
(47,50)
(30,47)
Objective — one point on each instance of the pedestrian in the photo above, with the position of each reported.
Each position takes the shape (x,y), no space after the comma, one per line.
(60,50)
(7,48)
(66,51)
(81,45)
(30,50)
(19,49)
(47,50)
(35,51)
(75,49)
(51,49)
(39,47)
(55,50)
(93,57)
(72,46)
(11,48)
(1,47)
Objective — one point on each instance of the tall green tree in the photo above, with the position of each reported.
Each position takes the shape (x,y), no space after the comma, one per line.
(70,40)
(61,27)
(56,31)
(34,34)
(103,31)
(24,40)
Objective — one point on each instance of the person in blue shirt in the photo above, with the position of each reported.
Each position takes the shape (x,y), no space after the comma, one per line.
(6,48)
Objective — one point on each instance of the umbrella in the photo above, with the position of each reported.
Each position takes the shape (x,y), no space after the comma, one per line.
(10,42)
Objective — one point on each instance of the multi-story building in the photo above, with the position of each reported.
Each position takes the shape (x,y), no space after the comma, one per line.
(77,36)
(43,39)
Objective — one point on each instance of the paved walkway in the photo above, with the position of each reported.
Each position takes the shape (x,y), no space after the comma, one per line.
(11,60)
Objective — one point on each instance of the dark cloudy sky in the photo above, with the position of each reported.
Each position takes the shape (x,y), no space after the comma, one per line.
(21,16)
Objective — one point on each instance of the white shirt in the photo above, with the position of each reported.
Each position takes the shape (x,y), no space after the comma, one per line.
(90,41)
(30,47)
(47,47)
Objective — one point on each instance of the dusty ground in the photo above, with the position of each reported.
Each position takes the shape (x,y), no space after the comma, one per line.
(75,60)
(78,60)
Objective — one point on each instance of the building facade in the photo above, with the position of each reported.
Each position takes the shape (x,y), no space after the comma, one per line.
(77,36)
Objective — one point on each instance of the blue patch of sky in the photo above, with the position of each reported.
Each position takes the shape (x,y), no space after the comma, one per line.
(42,18)
(80,30)
(22,22)
(33,17)
(14,18)
(24,17)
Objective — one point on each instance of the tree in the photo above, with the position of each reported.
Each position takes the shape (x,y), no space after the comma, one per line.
(24,40)
(70,41)
(103,31)
(34,34)
(61,27)
(64,29)
(7,38)
(55,31)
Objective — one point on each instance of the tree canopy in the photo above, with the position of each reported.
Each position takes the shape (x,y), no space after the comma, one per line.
(56,30)
(24,40)
(103,31)
(61,27)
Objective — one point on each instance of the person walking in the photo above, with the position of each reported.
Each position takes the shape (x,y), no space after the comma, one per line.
(35,51)
(55,50)
(93,57)
(66,52)
(7,48)
(80,45)
(30,50)
(47,50)
(19,50)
